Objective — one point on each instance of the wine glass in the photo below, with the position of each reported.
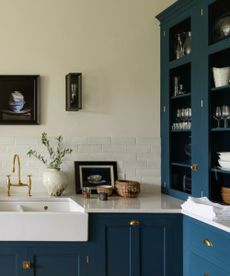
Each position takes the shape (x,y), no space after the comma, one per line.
(218,115)
(225,110)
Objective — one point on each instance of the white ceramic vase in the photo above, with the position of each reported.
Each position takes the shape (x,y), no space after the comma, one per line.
(55,181)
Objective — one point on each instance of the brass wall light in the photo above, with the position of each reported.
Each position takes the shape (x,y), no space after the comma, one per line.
(73,91)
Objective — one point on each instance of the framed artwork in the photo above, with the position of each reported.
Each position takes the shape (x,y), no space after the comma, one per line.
(93,173)
(19,99)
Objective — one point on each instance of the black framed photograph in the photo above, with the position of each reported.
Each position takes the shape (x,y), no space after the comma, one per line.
(19,99)
(93,173)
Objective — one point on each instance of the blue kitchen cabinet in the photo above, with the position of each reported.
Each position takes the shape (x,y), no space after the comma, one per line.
(205,249)
(11,259)
(43,259)
(137,244)
(191,139)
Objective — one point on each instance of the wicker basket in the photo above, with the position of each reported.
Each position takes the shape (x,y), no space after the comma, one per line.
(225,194)
(127,188)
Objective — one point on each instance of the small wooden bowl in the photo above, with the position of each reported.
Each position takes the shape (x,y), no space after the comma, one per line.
(105,189)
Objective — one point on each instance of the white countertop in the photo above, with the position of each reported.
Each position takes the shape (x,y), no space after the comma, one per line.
(144,203)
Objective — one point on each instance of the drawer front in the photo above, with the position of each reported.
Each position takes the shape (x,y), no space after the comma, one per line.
(208,241)
(199,266)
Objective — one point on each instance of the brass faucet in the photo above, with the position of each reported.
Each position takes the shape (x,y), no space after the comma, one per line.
(19,183)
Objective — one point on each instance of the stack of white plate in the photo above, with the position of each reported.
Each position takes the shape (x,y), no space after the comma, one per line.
(224,160)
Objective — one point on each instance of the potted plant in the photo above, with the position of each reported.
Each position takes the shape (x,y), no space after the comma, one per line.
(54,179)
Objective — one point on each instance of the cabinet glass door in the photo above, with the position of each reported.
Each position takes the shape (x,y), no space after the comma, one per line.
(219,100)
(180,108)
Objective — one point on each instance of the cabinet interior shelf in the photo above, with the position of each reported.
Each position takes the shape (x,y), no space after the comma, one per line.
(222,88)
(179,62)
(181,96)
(220,129)
(220,171)
(219,46)
(181,130)
(184,165)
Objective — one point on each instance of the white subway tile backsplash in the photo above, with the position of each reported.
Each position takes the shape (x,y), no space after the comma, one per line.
(89,148)
(114,148)
(6,140)
(138,148)
(27,140)
(123,140)
(135,164)
(148,140)
(99,140)
(138,158)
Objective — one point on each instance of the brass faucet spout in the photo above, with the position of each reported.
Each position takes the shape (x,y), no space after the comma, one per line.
(19,183)
(16,156)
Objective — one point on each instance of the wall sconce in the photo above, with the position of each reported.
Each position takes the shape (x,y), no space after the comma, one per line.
(73,91)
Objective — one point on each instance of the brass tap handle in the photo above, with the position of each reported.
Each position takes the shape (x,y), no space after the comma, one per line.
(8,184)
(27,265)
(207,242)
(134,223)
(29,185)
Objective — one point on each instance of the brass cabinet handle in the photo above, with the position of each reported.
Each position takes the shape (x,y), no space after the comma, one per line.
(207,242)
(194,167)
(27,265)
(206,274)
(134,222)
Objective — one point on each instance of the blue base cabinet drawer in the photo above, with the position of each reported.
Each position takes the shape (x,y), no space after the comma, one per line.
(205,242)
(137,244)
(201,266)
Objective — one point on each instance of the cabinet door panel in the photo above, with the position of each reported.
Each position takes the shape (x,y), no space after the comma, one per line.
(58,265)
(153,253)
(117,251)
(11,259)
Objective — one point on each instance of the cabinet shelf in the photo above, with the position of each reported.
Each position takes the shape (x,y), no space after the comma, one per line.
(180,130)
(184,165)
(220,171)
(181,96)
(221,89)
(219,46)
(179,62)
(220,129)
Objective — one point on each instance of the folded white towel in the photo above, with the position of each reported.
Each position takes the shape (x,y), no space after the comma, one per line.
(205,208)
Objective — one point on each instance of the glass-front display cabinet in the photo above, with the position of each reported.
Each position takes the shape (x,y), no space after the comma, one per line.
(195,99)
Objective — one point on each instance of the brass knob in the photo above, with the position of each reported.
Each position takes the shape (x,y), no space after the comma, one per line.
(134,222)
(194,167)
(27,265)
(207,242)
(206,274)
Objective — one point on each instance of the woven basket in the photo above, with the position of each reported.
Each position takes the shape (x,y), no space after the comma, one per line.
(127,188)
(225,194)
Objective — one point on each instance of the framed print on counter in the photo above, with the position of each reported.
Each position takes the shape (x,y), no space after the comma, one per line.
(93,173)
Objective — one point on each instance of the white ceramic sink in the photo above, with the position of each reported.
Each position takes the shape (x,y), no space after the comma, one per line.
(58,219)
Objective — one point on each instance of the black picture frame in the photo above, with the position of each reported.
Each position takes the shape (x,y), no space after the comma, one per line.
(19,99)
(86,169)
(73,101)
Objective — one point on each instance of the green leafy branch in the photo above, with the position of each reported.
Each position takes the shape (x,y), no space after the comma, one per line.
(56,157)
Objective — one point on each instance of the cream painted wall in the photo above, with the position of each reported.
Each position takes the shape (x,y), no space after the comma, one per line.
(114,43)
